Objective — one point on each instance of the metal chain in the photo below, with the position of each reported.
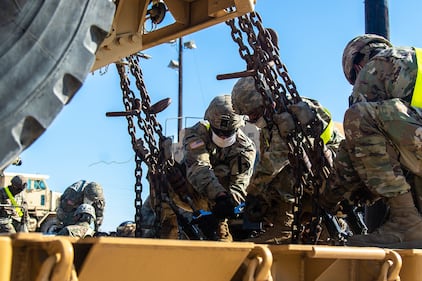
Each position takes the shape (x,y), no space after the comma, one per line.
(305,143)
(147,122)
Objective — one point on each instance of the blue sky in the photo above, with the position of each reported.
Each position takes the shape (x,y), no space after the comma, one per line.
(84,144)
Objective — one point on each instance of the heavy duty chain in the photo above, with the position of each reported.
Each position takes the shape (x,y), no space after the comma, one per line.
(145,145)
(260,51)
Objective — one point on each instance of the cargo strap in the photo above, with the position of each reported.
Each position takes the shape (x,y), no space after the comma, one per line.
(14,203)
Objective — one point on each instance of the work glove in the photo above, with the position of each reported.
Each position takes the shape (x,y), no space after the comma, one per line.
(303,112)
(224,207)
(256,208)
(285,123)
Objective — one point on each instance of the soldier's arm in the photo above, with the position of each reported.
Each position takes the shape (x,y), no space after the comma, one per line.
(198,168)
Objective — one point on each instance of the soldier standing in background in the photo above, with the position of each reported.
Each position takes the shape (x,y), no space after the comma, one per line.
(270,193)
(11,214)
(381,157)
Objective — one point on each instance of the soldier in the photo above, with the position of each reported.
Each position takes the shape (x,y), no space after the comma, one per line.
(218,163)
(78,193)
(383,126)
(84,226)
(270,193)
(11,214)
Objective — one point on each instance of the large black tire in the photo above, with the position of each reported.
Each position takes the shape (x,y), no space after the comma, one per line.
(47,47)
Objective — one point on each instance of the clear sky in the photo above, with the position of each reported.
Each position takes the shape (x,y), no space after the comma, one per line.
(82,143)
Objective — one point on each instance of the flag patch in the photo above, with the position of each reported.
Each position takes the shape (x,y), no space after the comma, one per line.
(196,144)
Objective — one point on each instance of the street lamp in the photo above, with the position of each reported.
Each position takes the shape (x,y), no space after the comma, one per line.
(179,66)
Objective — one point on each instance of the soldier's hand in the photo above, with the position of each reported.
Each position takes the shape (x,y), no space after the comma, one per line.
(303,112)
(256,208)
(224,206)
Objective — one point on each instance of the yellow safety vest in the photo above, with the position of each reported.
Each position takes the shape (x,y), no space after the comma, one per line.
(417,91)
(14,203)
(328,131)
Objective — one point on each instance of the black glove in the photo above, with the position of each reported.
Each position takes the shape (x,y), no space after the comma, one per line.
(224,207)
(256,208)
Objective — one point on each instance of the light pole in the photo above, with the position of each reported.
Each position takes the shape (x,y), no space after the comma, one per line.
(179,66)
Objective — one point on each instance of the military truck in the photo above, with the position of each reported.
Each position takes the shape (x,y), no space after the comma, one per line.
(47,49)
(41,201)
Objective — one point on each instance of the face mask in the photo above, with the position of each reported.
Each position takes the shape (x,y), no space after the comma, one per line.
(261,123)
(220,142)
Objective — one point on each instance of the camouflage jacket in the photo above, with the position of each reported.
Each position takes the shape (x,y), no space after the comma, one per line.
(389,74)
(273,155)
(211,169)
(80,230)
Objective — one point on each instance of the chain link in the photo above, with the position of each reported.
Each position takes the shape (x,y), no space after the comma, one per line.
(145,146)
(262,55)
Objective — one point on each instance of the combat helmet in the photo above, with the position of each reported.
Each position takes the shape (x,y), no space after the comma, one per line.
(362,47)
(221,115)
(245,97)
(126,229)
(17,184)
(85,209)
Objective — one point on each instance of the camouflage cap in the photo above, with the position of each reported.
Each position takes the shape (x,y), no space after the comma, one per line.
(363,45)
(221,115)
(245,97)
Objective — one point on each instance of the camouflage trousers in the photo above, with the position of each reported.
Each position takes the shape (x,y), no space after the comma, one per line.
(382,138)
(168,222)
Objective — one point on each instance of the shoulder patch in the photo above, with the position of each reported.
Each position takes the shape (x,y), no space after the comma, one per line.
(196,144)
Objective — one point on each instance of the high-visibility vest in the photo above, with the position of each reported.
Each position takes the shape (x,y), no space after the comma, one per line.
(417,91)
(328,131)
(14,203)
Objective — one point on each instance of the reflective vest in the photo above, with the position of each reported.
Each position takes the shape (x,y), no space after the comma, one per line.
(417,91)
(328,131)
(14,203)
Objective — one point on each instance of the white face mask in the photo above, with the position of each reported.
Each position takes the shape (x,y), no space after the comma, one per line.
(220,142)
(261,123)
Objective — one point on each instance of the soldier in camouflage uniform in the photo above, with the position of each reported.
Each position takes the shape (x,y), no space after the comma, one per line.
(78,193)
(383,126)
(11,214)
(270,193)
(219,160)
(84,226)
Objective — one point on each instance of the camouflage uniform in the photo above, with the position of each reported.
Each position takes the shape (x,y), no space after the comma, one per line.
(10,216)
(84,225)
(383,138)
(210,169)
(270,193)
(78,193)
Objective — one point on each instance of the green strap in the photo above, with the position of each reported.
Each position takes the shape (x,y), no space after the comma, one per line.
(417,92)
(328,131)
(14,203)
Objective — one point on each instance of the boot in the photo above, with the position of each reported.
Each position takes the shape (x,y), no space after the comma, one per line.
(224,232)
(402,230)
